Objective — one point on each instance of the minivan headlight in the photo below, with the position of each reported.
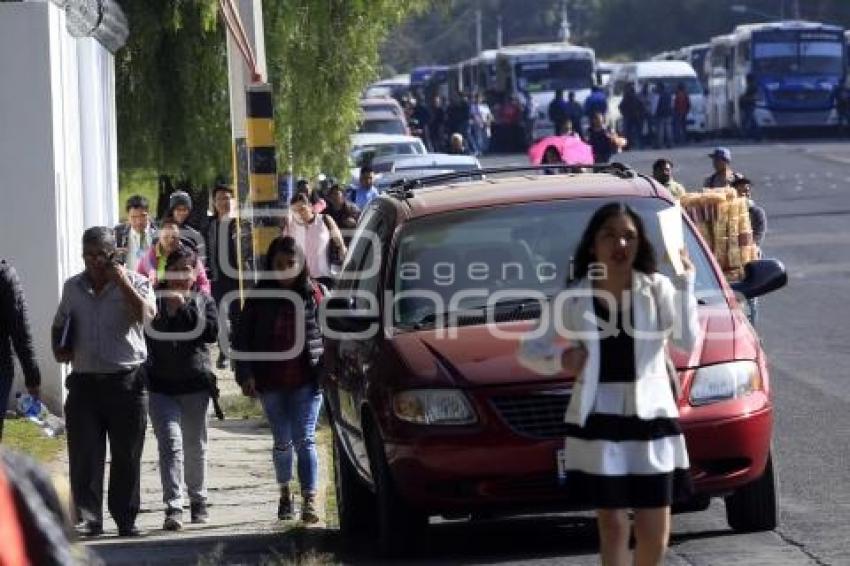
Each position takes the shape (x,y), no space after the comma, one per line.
(433,407)
(722,382)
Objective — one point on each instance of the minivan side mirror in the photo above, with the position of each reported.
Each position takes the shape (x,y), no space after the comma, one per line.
(342,315)
(761,277)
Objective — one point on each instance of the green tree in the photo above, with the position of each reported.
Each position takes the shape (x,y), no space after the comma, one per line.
(320,55)
(171,90)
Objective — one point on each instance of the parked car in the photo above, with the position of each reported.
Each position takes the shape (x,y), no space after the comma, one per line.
(385,181)
(383,122)
(432,415)
(365,148)
(384,104)
(396,87)
(429,161)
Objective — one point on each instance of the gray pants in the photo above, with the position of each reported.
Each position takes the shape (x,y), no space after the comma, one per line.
(180,425)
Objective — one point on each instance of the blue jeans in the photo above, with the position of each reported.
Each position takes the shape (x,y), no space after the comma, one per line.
(293,415)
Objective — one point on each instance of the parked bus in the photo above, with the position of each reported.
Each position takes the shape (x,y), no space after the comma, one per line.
(421,75)
(533,72)
(796,66)
(719,70)
(696,55)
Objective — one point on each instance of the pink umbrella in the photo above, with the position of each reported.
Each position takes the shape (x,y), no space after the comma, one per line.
(572,150)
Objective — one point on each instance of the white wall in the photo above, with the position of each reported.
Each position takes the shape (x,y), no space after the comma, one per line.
(58,161)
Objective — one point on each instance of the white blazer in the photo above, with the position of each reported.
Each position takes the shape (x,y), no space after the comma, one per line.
(662,309)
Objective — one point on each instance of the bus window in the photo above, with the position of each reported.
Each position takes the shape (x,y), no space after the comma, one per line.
(543,76)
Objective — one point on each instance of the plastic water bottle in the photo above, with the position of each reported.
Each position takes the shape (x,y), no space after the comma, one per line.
(28,406)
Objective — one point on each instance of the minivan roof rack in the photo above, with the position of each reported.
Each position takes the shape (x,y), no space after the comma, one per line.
(403,188)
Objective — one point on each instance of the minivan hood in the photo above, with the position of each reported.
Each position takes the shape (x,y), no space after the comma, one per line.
(473,357)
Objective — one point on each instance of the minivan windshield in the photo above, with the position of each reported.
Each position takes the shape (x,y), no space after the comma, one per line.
(468,255)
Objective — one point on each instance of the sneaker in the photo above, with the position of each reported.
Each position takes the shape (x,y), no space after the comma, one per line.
(200,515)
(89,529)
(308,510)
(173,520)
(286,506)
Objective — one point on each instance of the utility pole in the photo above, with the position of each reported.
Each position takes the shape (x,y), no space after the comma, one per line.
(499,32)
(478,31)
(251,119)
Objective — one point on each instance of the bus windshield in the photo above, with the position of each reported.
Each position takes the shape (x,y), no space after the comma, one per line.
(543,76)
(799,57)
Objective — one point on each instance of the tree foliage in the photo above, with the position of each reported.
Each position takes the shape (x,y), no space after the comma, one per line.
(320,55)
(171,90)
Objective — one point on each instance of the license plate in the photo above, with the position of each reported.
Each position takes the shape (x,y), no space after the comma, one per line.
(561,463)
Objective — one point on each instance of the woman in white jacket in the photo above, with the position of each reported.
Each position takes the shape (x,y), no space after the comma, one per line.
(624,446)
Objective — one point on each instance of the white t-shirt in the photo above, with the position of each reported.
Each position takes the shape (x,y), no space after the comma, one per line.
(314,238)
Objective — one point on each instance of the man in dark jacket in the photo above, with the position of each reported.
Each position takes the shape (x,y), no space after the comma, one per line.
(344,212)
(558,112)
(180,208)
(135,237)
(223,257)
(14,330)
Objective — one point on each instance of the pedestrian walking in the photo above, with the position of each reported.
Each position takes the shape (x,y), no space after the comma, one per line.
(136,236)
(181,384)
(723,176)
(288,385)
(482,120)
(663,118)
(624,446)
(364,191)
(558,112)
(681,109)
(344,213)
(171,235)
(633,113)
(180,209)
(747,106)
(15,332)
(224,252)
(437,126)
(99,329)
(649,100)
(604,142)
(319,237)
(575,113)
(596,103)
(662,171)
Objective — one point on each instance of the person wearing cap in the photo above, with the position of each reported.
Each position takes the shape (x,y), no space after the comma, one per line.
(662,171)
(364,191)
(723,175)
(180,209)
(345,213)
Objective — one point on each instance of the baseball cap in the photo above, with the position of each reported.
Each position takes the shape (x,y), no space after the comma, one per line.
(179,197)
(721,153)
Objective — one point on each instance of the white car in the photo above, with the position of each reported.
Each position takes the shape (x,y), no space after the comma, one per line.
(370,105)
(367,147)
(382,122)
(434,161)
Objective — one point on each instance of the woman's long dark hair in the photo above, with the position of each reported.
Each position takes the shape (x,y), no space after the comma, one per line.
(645,258)
(289,246)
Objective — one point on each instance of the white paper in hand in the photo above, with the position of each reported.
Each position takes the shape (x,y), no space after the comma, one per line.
(540,355)
(672,231)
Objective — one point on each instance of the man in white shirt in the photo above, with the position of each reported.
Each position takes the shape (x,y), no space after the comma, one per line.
(135,237)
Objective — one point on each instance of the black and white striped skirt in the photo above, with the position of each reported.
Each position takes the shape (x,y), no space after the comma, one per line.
(620,461)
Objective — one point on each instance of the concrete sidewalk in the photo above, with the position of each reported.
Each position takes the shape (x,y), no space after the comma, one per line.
(243,499)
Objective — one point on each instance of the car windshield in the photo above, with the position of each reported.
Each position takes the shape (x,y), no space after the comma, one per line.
(545,76)
(455,261)
(363,155)
(671,84)
(382,127)
(804,57)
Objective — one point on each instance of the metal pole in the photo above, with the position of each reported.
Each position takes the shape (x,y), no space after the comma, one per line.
(478,31)
(499,32)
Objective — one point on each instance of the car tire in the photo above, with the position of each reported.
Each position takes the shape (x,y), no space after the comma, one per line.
(399,525)
(753,507)
(355,503)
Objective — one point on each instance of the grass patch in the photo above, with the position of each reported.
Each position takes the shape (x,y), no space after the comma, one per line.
(25,436)
(324,438)
(241,407)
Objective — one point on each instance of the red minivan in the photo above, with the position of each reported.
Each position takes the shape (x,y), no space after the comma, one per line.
(431,412)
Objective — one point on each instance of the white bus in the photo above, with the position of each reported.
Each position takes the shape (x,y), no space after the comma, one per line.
(535,71)
(719,68)
(797,68)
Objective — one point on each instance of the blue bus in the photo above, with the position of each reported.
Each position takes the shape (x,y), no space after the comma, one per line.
(797,67)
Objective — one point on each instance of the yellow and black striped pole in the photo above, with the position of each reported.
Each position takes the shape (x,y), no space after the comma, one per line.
(262,168)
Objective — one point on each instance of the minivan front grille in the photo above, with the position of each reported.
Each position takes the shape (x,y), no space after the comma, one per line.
(538,415)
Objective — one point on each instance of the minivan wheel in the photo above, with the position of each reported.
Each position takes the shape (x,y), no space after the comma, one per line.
(355,503)
(399,525)
(753,507)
